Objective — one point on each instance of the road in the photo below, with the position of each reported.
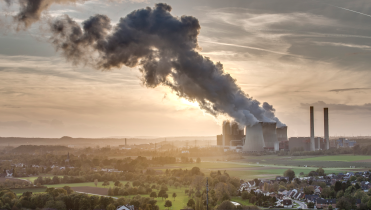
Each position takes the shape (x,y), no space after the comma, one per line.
(301,204)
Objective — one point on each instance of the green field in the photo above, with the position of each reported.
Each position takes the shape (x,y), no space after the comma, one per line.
(211,165)
(342,158)
(33,190)
(272,173)
(180,201)
(32,178)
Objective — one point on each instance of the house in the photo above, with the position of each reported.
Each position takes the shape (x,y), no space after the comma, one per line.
(317,190)
(300,196)
(311,198)
(325,203)
(127,207)
(251,184)
(287,203)
(293,193)
(350,174)
(282,178)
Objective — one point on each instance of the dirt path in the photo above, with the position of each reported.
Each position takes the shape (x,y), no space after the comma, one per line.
(91,190)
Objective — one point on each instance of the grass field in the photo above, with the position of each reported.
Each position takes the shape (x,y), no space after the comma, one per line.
(180,201)
(211,165)
(271,173)
(33,190)
(342,158)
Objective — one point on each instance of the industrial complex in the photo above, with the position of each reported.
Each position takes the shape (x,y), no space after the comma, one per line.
(266,136)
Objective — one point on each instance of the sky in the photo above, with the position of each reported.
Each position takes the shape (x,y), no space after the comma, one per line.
(292,54)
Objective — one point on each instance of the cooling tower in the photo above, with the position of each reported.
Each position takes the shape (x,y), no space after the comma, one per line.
(281,133)
(269,134)
(254,140)
(312,146)
(327,137)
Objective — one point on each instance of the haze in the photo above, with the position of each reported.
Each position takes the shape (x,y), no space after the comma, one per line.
(292,54)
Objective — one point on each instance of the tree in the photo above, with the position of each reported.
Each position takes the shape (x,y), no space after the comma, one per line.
(176,185)
(340,194)
(168,204)
(225,205)
(55,180)
(245,195)
(196,171)
(68,189)
(96,182)
(164,187)
(165,195)
(309,190)
(161,194)
(190,203)
(320,171)
(153,195)
(136,183)
(84,204)
(110,192)
(111,207)
(337,186)
(105,183)
(289,173)
(343,203)
(326,192)
(117,183)
(174,196)
(198,160)
(310,205)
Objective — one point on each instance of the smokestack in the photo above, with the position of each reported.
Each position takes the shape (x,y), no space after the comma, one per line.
(312,147)
(327,137)
(125,142)
(254,140)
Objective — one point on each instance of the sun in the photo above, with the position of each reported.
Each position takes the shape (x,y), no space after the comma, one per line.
(189,103)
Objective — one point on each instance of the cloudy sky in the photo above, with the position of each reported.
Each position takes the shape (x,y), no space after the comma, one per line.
(290,53)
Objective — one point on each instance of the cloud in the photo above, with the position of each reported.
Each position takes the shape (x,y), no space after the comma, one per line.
(308,30)
(349,89)
(54,123)
(338,107)
(18,124)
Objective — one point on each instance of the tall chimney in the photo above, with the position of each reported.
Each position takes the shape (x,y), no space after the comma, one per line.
(125,142)
(327,137)
(312,147)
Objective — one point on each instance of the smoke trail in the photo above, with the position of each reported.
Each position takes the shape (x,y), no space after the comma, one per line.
(31,10)
(164,48)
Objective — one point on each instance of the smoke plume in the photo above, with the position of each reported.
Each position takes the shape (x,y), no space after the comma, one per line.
(30,11)
(165,49)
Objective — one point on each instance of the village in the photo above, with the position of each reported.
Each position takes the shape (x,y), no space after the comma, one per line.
(314,191)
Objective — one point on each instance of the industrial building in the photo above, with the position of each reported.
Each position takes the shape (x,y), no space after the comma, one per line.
(343,142)
(256,138)
(265,136)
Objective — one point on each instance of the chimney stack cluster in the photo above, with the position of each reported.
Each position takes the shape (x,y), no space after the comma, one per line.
(326,133)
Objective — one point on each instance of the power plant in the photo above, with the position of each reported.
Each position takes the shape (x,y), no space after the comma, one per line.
(256,138)
(266,136)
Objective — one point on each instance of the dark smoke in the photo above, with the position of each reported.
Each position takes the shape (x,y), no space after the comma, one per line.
(165,49)
(30,11)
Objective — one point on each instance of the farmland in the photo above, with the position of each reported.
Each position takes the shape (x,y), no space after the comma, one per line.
(341,158)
